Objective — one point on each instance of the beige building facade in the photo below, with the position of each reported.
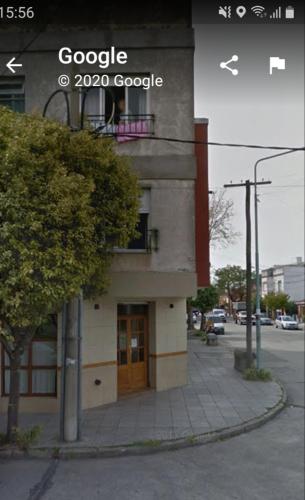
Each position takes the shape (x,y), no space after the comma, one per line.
(134,337)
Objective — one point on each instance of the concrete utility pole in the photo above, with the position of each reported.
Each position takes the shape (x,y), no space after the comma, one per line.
(72,335)
(248,185)
(71,372)
(71,362)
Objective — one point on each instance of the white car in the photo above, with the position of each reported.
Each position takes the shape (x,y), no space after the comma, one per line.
(221,313)
(286,323)
(241,318)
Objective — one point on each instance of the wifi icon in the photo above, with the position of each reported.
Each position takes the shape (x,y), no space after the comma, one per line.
(258,10)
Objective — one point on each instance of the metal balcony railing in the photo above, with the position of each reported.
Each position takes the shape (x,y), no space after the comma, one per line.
(123,126)
(148,241)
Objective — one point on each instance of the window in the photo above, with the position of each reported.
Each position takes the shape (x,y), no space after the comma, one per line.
(279,286)
(141,242)
(119,110)
(38,374)
(114,103)
(12,94)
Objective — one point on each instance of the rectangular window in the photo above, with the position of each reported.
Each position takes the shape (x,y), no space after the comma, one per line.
(141,243)
(119,110)
(12,93)
(38,373)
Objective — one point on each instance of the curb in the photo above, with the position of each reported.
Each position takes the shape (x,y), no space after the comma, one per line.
(150,446)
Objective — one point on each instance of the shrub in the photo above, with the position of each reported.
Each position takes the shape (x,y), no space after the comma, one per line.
(24,438)
(255,374)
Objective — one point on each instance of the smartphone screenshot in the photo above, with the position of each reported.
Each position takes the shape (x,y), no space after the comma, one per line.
(152,276)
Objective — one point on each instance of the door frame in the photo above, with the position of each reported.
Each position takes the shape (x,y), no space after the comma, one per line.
(128,318)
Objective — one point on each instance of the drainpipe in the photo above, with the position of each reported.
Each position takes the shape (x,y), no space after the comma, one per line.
(79,365)
(62,371)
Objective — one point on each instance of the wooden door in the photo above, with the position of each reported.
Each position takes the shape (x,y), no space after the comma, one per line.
(132,353)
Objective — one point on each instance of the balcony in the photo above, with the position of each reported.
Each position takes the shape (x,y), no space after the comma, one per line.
(125,127)
(147,242)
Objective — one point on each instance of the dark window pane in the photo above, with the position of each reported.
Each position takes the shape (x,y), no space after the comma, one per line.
(24,358)
(123,358)
(141,354)
(23,381)
(134,356)
(12,93)
(44,381)
(44,353)
(140,243)
(130,309)
(122,325)
(135,325)
(122,338)
(137,101)
(141,340)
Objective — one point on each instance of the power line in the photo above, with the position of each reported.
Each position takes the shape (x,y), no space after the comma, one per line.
(207,143)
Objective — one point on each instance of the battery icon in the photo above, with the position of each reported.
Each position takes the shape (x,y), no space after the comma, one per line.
(289,12)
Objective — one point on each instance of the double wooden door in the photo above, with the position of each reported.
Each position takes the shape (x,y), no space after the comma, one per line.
(132,353)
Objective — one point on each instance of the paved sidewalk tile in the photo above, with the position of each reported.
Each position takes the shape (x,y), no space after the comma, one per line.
(215,397)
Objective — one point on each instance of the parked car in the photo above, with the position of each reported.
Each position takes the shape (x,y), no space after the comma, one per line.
(221,313)
(241,318)
(214,324)
(265,320)
(286,323)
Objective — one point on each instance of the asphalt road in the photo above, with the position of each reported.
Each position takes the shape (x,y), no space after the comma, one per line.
(265,464)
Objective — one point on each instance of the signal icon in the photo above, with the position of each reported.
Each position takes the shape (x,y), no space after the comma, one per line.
(259,10)
(277,14)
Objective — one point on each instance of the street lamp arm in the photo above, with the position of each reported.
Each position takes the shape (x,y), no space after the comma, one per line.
(269,158)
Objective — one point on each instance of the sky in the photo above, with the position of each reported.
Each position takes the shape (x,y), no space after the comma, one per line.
(255,108)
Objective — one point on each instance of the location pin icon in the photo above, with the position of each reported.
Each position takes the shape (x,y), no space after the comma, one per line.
(241,10)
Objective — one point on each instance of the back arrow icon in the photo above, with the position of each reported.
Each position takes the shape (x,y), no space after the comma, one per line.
(11,65)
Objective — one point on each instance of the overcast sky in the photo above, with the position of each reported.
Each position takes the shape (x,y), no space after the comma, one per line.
(255,107)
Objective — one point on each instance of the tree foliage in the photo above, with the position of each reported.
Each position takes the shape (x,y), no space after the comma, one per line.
(65,200)
(206,299)
(274,301)
(232,281)
(221,212)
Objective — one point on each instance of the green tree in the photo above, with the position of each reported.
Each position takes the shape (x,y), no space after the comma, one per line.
(275,301)
(206,299)
(291,308)
(232,281)
(65,200)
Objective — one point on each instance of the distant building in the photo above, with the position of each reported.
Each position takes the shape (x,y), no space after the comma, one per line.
(288,278)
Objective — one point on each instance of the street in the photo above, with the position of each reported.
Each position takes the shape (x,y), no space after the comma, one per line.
(267,463)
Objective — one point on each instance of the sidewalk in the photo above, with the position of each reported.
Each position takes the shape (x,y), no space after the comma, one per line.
(215,398)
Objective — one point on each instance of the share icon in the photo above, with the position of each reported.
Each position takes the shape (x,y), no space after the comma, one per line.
(225,65)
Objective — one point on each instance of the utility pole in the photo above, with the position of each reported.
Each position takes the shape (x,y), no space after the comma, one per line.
(71,404)
(247,184)
(248,275)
